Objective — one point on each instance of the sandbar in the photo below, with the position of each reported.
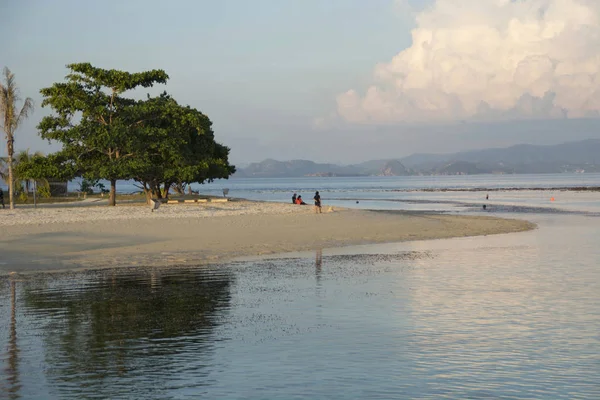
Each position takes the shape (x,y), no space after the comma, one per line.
(69,238)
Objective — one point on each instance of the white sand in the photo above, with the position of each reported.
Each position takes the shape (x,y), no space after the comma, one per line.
(93,237)
(81,214)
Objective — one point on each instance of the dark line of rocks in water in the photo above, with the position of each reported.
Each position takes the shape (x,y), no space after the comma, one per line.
(512,189)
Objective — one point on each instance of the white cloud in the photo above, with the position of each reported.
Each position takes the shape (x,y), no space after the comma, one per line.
(488,59)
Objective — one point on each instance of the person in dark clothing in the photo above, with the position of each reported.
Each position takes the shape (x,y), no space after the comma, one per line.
(317,199)
(294,198)
(2,198)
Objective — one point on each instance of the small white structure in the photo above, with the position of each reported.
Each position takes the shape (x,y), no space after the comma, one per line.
(155,204)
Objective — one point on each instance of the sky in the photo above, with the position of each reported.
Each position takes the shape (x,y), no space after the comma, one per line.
(339,81)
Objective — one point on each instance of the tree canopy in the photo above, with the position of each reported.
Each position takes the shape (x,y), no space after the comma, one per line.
(105,135)
(94,122)
(179,148)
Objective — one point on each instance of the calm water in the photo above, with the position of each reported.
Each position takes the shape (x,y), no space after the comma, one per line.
(413,192)
(509,316)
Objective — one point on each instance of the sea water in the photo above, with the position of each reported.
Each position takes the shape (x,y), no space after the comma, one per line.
(504,316)
(458,193)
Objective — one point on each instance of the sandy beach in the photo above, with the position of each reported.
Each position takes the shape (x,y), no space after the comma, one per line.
(58,238)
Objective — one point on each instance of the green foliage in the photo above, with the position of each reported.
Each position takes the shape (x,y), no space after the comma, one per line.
(104,135)
(94,123)
(43,190)
(88,185)
(101,187)
(26,171)
(53,166)
(21,192)
(179,148)
(20,172)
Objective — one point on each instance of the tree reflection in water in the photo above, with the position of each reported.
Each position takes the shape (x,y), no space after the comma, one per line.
(11,383)
(129,331)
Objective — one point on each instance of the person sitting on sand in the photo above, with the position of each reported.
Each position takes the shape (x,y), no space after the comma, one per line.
(299,200)
(317,202)
(294,198)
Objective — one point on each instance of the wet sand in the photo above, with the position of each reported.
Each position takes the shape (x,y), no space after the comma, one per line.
(98,237)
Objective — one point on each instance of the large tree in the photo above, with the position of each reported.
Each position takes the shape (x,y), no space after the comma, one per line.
(95,123)
(12,117)
(177,148)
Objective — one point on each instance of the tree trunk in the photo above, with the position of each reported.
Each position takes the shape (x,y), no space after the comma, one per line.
(11,183)
(112,198)
(148,194)
(156,190)
(167,188)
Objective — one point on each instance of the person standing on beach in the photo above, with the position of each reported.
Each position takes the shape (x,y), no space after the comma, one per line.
(2,198)
(294,199)
(317,202)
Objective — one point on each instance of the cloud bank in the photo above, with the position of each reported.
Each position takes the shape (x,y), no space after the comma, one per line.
(487,60)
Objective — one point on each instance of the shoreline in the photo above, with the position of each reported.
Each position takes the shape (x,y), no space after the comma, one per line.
(67,239)
(506,189)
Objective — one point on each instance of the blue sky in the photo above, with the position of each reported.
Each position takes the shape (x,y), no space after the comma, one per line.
(264,71)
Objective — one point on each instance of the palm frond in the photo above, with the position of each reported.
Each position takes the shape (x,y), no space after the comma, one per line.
(4,168)
(9,97)
(26,110)
(22,156)
(4,105)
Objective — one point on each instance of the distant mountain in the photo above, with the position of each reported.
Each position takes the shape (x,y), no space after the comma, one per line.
(567,157)
(295,168)
(380,168)
(460,168)
(519,156)
(394,168)
(373,167)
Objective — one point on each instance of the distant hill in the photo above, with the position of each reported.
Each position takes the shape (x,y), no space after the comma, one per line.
(460,168)
(295,168)
(519,157)
(394,168)
(567,157)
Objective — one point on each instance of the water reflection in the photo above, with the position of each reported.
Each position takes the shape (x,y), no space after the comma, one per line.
(511,316)
(318,266)
(12,360)
(134,333)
